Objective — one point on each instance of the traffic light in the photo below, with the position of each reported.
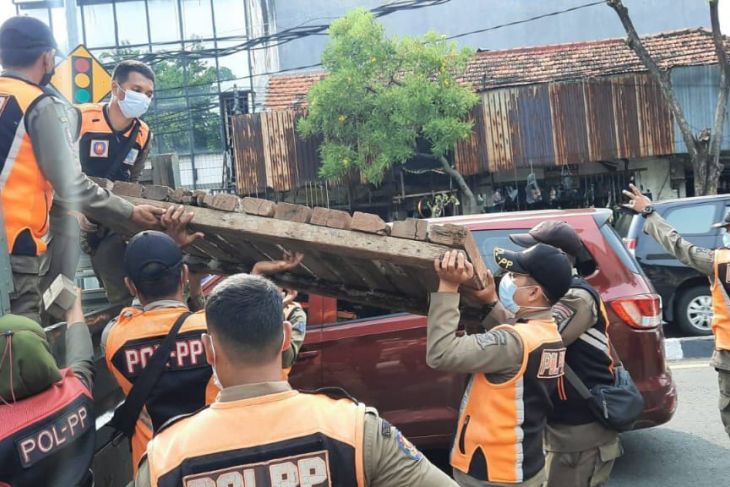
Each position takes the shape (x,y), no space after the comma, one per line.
(82,79)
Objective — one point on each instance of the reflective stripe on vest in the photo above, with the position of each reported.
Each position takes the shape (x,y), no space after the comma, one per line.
(290,439)
(99,144)
(721,299)
(25,194)
(48,439)
(187,387)
(500,430)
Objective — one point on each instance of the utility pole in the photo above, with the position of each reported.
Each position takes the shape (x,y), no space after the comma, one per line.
(71,24)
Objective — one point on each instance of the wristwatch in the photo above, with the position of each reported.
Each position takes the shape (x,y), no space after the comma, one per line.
(647,211)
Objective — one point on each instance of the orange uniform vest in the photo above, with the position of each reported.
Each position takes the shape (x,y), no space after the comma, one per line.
(721,300)
(25,194)
(286,438)
(48,439)
(500,432)
(186,386)
(99,144)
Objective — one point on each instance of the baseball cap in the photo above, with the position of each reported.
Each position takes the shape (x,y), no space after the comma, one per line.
(724,223)
(26,34)
(546,264)
(30,368)
(149,254)
(556,233)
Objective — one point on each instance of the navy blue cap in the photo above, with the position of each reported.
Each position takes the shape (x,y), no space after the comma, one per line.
(149,254)
(26,34)
(546,264)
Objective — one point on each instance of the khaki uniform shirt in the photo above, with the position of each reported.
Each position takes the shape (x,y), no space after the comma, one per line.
(386,464)
(497,353)
(700,259)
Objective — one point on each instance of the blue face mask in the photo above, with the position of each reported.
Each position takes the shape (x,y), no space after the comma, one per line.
(726,240)
(507,289)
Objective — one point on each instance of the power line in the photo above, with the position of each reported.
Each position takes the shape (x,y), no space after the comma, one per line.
(530,19)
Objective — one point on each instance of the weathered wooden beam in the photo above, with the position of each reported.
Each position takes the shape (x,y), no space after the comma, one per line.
(369,223)
(259,207)
(459,236)
(157,193)
(123,188)
(325,217)
(293,213)
(411,228)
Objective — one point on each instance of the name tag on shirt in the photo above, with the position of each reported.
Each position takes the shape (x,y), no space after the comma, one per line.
(131,157)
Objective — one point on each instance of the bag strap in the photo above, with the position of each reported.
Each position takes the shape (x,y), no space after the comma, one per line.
(123,151)
(127,414)
(577,383)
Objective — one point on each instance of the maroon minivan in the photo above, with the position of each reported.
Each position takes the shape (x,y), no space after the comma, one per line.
(380,357)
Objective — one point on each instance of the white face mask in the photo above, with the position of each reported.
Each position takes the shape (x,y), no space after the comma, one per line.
(134,104)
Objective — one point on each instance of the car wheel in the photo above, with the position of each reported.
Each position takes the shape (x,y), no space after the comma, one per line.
(694,311)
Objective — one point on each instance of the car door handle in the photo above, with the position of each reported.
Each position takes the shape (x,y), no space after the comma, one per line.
(308,355)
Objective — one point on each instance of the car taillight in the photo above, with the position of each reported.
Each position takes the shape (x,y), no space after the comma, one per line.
(640,311)
(630,244)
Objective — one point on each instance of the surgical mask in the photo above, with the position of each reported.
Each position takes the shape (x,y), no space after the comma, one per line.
(134,104)
(726,240)
(507,289)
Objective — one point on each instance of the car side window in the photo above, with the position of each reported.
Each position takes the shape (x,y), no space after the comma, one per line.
(692,220)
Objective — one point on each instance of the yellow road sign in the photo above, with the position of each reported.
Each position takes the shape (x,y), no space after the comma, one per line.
(81,78)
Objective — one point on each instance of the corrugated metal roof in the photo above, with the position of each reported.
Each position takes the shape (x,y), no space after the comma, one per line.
(541,64)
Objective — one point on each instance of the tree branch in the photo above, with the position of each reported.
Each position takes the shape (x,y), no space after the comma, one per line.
(722,96)
(456,175)
(662,77)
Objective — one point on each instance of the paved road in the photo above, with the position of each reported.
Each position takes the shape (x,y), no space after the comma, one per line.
(691,450)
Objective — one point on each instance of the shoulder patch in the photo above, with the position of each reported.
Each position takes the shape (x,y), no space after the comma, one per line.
(407,447)
(563,314)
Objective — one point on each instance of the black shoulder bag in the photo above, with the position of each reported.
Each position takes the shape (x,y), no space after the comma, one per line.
(616,405)
(127,413)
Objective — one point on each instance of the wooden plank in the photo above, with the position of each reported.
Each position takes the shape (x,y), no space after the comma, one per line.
(411,228)
(460,237)
(182,195)
(341,242)
(325,217)
(293,213)
(257,206)
(369,223)
(157,192)
(103,183)
(123,188)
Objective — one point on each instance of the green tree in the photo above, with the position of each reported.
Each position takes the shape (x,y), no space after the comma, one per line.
(386,98)
(168,117)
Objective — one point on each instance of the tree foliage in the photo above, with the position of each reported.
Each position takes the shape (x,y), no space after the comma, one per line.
(384,97)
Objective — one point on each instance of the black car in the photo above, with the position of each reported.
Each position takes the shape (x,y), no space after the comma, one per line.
(685,292)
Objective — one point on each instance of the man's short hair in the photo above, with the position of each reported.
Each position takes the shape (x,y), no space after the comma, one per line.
(245,313)
(165,284)
(122,70)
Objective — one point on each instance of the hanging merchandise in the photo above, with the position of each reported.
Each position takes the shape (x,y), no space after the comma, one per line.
(533,194)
